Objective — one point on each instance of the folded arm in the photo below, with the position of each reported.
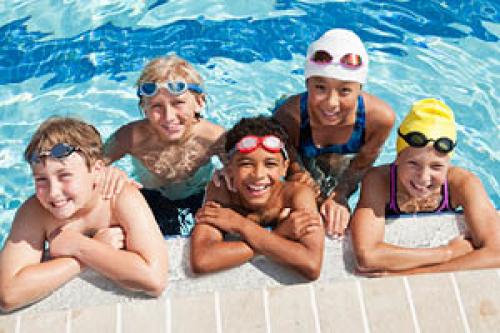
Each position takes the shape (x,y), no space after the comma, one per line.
(24,278)
(141,265)
(482,221)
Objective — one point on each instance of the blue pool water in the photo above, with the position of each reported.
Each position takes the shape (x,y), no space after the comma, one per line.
(82,58)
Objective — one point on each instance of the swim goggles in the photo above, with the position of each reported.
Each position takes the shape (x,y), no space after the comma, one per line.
(419,140)
(249,143)
(173,87)
(348,60)
(59,151)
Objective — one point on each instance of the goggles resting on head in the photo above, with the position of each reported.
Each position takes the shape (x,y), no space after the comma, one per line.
(59,151)
(419,140)
(249,143)
(348,60)
(175,88)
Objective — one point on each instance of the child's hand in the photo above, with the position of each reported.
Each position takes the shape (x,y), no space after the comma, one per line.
(112,180)
(224,219)
(459,246)
(336,217)
(219,176)
(113,236)
(64,242)
(297,224)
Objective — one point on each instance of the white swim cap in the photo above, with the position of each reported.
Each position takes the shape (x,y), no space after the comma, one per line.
(338,43)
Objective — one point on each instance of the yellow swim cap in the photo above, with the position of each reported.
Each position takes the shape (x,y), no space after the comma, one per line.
(430,117)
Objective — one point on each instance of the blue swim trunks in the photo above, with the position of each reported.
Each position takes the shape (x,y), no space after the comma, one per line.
(175,217)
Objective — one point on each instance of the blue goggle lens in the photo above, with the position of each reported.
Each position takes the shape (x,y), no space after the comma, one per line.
(173,87)
(60,150)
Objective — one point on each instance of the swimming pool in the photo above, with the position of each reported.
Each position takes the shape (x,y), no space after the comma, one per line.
(82,58)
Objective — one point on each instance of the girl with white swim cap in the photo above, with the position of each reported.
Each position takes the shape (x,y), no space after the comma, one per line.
(337,129)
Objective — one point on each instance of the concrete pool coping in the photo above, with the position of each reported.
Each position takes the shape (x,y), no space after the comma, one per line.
(264,296)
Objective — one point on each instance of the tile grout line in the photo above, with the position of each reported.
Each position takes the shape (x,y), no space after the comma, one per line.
(17,329)
(68,321)
(218,322)
(118,318)
(267,315)
(412,304)
(460,304)
(168,316)
(362,306)
(315,309)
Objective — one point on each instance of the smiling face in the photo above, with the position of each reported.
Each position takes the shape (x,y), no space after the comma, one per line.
(65,187)
(422,171)
(331,101)
(257,175)
(172,116)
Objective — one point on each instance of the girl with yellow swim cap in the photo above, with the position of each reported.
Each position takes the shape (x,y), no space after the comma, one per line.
(422,180)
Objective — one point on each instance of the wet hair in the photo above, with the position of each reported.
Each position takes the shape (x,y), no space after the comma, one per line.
(67,130)
(170,68)
(258,126)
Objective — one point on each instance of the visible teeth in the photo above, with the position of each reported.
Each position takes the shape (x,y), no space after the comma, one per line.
(60,203)
(257,187)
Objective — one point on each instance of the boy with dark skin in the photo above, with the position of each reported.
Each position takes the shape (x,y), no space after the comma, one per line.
(258,162)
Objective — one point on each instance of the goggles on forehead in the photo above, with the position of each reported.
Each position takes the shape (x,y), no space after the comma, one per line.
(59,151)
(419,140)
(173,87)
(249,143)
(348,60)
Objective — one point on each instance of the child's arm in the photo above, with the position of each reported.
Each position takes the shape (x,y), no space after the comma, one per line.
(368,224)
(142,265)
(210,252)
(23,277)
(117,145)
(482,220)
(379,122)
(304,255)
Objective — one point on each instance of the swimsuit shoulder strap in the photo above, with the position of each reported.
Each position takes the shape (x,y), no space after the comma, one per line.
(393,204)
(445,201)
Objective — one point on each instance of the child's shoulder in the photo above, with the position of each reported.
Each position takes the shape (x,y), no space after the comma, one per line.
(294,189)
(209,130)
(33,215)
(133,132)
(461,178)
(377,110)
(377,177)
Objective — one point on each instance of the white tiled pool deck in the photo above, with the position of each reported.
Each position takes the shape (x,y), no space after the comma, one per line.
(263,297)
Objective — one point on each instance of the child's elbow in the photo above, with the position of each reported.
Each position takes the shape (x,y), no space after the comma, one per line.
(366,260)
(312,274)
(8,301)
(312,271)
(156,286)
(201,264)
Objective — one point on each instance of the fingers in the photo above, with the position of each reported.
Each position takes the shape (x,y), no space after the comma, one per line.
(228,181)
(303,222)
(113,236)
(112,182)
(135,183)
(216,178)
(285,212)
(336,218)
(212,204)
(327,212)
